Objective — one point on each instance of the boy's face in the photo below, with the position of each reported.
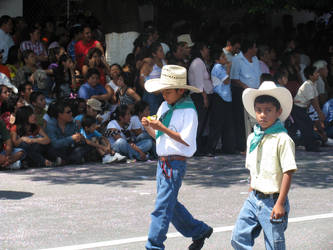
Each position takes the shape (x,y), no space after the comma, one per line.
(223,59)
(283,80)
(172,95)
(90,129)
(93,80)
(266,114)
(40,102)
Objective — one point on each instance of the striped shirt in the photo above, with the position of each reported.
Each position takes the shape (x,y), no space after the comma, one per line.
(36,47)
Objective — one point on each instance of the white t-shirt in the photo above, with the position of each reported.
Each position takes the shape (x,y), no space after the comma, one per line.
(183,121)
(114,124)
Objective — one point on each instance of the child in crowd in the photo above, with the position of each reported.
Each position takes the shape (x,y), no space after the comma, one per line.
(92,88)
(38,102)
(141,110)
(270,159)
(328,112)
(9,108)
(99,142)
(120,137)
(220,124)
(175,132)
(307,94)
(281,78)
(9,157)
(93,108)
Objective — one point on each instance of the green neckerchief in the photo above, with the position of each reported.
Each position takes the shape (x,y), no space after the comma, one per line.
(277,127)
(183,103)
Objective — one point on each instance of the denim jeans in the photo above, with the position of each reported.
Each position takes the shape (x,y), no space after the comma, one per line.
(123,147)
(254,216)
(169,209)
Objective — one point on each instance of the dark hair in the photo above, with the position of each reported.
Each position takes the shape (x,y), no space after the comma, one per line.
(88,121)
(75,30)
(60,106)
(26,53)
(266,77)
(175,46)
(13,54)
(86,26)
(90,54)
(52,109)
(22,120)
(140,107)
(247,44)
(235,39)
(309,71)
(10,104)
(74,104)
(154,47)
(4,19)
(59,75)
(196,50)
(268,99)
(92,71)
(21,88)
(2,87)
(53,52)
(280,73)
(216,54)
(34,95)
(120,112)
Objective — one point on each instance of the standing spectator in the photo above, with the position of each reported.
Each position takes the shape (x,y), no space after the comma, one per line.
(221,123)
(245,73)
(232,48)
(92,88)
(35,45)
(199,77)
(83,46)
(177,54)
(322,86)
(65,137)
(20,26)
(294,75)
(6,41)
(76,35)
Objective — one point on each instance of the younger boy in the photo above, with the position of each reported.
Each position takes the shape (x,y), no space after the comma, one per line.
(175,132)
(96,140)
(271,161)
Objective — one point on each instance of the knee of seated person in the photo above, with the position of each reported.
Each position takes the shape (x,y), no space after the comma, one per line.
(120,141)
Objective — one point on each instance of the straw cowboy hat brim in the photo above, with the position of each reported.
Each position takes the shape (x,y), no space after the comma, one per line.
(282,94)
(172,77)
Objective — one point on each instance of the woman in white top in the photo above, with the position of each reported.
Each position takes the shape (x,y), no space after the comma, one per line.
(118,133)
(155,99)
(199,77)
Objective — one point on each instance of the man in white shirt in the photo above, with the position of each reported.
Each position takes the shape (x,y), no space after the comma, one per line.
(6,41)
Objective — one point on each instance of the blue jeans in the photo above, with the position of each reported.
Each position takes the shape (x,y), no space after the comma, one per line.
(169,209)
(123,147)
(254,216)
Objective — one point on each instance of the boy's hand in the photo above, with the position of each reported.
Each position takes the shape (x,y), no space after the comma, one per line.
(145,121)
(277,212)
(155,124)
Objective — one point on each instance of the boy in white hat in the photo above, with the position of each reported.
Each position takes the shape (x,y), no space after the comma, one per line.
(270,159)
(175,129)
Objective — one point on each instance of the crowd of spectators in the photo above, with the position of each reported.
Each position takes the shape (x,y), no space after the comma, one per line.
(60,99)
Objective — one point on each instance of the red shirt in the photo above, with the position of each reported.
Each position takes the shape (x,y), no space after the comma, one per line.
(81,50)
(4,69)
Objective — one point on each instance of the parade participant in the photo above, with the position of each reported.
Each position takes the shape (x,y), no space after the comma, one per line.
(270,159)
(175,132)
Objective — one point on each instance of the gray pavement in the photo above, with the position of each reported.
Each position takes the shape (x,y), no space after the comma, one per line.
(95,203)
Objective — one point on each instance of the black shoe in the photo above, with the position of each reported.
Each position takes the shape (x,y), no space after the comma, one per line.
(198,244)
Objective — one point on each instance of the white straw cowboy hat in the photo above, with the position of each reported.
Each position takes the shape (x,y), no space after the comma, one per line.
(268,88)
(172,77)
(185,38)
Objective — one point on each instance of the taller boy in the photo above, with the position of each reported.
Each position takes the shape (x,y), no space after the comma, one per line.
(175,132)
(271,160)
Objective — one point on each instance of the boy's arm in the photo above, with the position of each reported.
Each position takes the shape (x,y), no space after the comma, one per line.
(315,104)
(278,209)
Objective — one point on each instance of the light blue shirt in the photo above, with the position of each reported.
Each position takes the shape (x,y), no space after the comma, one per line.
(328,110)
(246,72)
(219,75)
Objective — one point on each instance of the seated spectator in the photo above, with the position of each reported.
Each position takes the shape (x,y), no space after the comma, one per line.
(35,45)
(65,137)
(95,59)
(9,157)
(26,134)
(4,94)
(93,108)
(24,74)
(100,143)
(126,95)
(14,61)
(38,102)
(4,80)
(9,108)
(50,116)
(64,77)
(25,91)
(122,143)
(307,94)
(328,112)
(92,88)
(54,56)
(141,109)
(3,68)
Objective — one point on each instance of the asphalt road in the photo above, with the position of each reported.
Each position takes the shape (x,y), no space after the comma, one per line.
(95,206)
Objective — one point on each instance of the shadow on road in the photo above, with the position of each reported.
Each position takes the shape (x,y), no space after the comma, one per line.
(14,195)
(315,170)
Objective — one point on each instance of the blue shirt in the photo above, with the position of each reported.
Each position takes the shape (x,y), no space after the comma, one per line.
(246,72)
(219,75)
(58,138)
(86,91)
(328,110)
(91,135)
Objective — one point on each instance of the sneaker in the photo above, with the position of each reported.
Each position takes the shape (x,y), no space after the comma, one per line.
(15,165)
(130,161)
(108,159)
(198,244)
(119,158)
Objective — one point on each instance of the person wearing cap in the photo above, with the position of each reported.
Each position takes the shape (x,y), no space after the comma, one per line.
(94,107)
(174,129)
(270,159)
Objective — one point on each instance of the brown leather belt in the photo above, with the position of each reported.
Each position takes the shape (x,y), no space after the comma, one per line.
(261,195)
(172,158)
